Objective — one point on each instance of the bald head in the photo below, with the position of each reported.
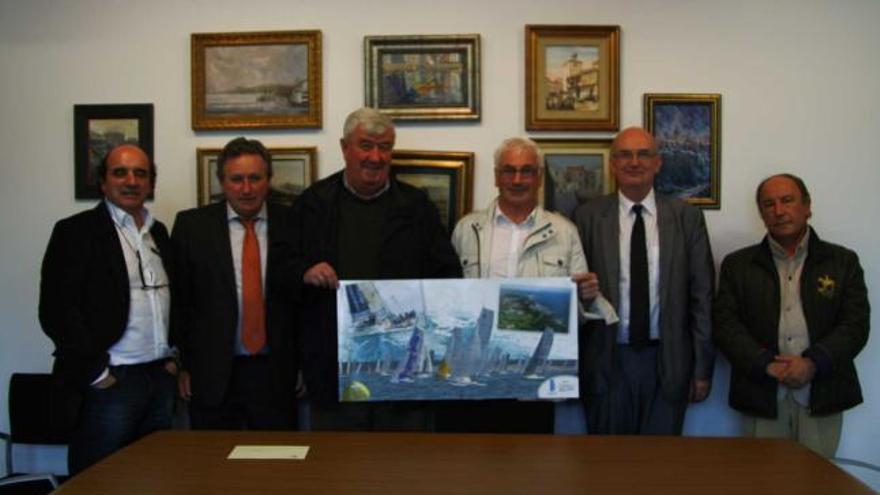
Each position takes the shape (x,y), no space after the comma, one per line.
(631,134)
(634,162)
(124,151)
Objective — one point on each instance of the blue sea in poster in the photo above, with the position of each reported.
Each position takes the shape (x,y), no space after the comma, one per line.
(441,339)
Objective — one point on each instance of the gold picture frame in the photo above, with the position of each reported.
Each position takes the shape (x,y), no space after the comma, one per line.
(687,129)
(575,171)
(423,77)
(256,80)
(446,176)
(572,78)
(293,170)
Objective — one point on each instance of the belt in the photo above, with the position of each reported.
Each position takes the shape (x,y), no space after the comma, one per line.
(148,364)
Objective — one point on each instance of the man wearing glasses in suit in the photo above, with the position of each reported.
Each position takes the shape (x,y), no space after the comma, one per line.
(104,302)
(654,263)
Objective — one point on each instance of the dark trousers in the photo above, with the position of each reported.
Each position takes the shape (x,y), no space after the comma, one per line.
(373,416)
(635,404)
(251,401)
(495,416)
(140,402)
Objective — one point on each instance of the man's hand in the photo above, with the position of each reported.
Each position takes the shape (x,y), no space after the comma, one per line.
(699,390)
(171,367)
(106,382)
(321,275)
(777,369)
(587,284)
(799,370)
(183,385)
(300,388)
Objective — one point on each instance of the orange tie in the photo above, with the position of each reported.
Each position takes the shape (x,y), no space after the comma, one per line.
(253,317)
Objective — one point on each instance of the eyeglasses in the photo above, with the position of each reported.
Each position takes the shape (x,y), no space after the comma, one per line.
(640,155)
(527,172)
(149,274)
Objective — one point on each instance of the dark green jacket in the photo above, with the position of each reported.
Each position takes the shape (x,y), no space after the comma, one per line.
(746,324)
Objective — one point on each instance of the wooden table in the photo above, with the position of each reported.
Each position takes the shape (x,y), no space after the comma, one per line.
(193,463)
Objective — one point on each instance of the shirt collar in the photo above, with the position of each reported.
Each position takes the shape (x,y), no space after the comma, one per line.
(499,218)
(780,253)
(361,196)
(232,215)
(125,219)
(649,203)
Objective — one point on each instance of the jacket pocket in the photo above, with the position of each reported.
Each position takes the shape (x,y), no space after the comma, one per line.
(553,264)
(470,266)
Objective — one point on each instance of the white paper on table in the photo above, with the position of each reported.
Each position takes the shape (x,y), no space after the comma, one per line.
(269,452)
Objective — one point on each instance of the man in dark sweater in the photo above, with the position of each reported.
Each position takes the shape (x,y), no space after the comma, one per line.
(359,224)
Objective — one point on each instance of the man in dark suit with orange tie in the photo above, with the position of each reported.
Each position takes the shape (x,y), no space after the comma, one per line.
(233,329)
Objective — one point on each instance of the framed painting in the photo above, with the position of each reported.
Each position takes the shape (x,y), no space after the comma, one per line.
(293,170)
(99,128)
(572,78)
(428,77)
(575,171)
(687,128)
(446,176)
(262,80)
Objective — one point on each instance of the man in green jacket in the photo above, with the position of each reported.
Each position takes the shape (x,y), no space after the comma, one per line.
(791,315)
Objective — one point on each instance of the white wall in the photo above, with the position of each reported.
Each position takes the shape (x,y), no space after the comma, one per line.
(799,81)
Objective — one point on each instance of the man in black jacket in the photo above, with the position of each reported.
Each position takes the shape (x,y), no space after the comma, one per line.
(235,332)
(359,224)
(104,302)
(791,315)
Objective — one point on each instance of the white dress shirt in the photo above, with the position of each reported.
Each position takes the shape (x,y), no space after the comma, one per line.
(146,336)
(627,219)
(508,239)
(236,241)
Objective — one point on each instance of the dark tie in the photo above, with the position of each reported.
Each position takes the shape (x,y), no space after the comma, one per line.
(253,316)
(639,298)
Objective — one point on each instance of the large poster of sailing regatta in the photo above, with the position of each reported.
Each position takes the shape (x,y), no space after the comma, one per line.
(457,339)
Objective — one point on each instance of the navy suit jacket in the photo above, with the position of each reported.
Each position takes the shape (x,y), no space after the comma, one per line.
(85,293)
(205,304)
(687,279)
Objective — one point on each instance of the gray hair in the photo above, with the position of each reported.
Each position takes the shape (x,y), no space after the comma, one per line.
(518,144)
(371,120)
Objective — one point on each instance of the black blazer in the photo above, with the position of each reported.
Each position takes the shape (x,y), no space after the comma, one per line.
(205,304)
(84,292)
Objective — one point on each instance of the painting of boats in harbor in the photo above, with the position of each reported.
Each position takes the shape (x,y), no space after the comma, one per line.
(457,339)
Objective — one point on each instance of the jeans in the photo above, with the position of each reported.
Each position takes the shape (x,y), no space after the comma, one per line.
(140,402)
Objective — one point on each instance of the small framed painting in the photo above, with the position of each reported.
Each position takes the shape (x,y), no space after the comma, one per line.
(575,171)
(99,128)
(687,128)
(572,78)
(428,77)
(446,176)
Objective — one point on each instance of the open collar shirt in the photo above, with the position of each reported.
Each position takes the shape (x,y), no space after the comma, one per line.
(145,337)
(794,338)
(508,240)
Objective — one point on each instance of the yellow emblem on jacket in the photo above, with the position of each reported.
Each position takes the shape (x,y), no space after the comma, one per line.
(826,286)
